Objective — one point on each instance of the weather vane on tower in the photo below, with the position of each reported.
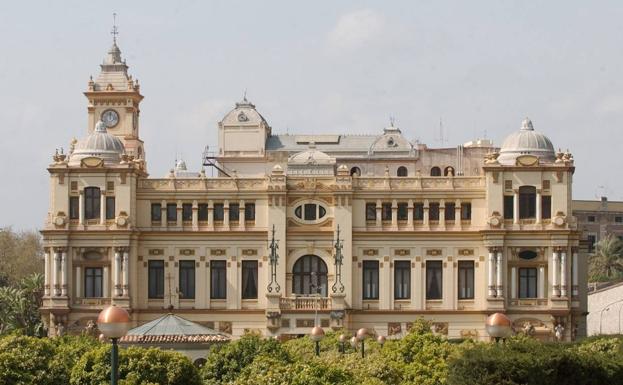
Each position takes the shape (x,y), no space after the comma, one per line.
(115,30)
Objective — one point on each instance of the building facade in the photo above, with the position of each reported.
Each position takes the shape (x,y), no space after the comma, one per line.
(341,230)
(596,219)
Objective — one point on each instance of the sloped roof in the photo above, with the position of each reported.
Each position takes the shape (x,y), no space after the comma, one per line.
(171,328)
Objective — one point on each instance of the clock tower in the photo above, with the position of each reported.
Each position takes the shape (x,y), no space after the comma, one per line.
(114,97)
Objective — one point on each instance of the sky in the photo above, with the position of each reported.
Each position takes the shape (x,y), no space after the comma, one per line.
(479,67)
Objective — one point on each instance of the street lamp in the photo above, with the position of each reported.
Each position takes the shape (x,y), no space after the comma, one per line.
(316,335)
(114,323)
(353,343)
(361,336)
(381,340)
(498,326)
(342,340)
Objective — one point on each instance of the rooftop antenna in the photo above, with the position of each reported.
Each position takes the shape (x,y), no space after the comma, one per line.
(244,96)
(115,30)
(392,121)
(442,139)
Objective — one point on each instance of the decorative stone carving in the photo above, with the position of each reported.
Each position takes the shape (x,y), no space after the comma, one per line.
(225,327)
(495,220)
(440,328)
(469,333)
(394,328)
(559,331)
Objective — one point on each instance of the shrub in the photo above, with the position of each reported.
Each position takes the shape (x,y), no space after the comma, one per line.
(24,360)
(137,366)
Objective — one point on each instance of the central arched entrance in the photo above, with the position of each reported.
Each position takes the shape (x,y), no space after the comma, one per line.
(309,276)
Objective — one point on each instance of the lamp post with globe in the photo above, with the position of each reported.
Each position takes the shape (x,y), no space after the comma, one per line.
(342,340)
(317,334)
(361,336)
(498,326)
(114,323)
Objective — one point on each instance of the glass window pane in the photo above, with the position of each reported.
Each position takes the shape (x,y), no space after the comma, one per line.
(187,212)
(156,279)
(110,207)
(433,211)
(386,211)
(466,279)
(403,210)
(370,211)
(156,212)
(249,279)
(187,279)
(172,212)
(249,212)
(402,279)
(218,279)
(370,280)
(234,212)
(434,280)
(202,212)
(310,212)
(449,211)
(219,212)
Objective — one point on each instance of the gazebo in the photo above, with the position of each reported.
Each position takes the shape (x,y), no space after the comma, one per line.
(176,333)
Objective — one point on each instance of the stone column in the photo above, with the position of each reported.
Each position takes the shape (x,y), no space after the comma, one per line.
(81,208)
(210,215)
(538,206)
(410,214)
(457,213)
(541,287)
(516,206)
(163,215)
(563,273)
(513,282)
(379,214)
(117,273)
(64,272)
(555,272)
(46,276)
(442,213)
(500,273)
(78,281)
(425,220)
(179,222)
(226,215)
(195,217)
(102,207)
(105,279)
(126,272)
(394,214)
(56,290)
(241,218)
(491,281)
(574,277)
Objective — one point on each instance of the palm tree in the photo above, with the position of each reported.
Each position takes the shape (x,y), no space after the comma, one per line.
(606,263)
(20,306)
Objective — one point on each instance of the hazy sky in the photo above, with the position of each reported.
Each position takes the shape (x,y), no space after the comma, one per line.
(314,67)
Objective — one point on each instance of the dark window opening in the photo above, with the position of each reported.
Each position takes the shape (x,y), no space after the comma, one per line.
(93,282)
(433,211)
(234,212)
(546,207)
(527,254)
(402,171)
(403,211)
(187,279)
(110,207)
(355,171)
(466,279)
(418,211)
(402,279)
(156,212)
(249,212)
(249,279)
(527,202)
(218,279)
(310,211)
(508,207)
(466,211)
(74,208)
(435,171)
(370,211)
(370,279)
(434,280)
(219,212)
(449,213)
(187,212)
(171,212)
(155,279)
(386,211)
(309,276)
(92,203)
(202,212)
(448,171)
(527,282)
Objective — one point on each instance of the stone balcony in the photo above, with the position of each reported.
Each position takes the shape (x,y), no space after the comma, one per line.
(305,303)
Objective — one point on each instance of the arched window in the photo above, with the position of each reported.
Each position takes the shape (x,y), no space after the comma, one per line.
(402,171)
(435,171)
(448,171)
(355,171)
(527,202)
(309,276)
(91,203)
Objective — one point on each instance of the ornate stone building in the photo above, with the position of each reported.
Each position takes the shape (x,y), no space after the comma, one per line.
(340,230)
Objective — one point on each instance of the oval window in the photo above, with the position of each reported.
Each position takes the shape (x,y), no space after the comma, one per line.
(321,212)
(310,212)
(527,254)
(298,211)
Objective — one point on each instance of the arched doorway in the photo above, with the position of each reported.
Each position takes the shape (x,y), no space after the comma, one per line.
(309,276)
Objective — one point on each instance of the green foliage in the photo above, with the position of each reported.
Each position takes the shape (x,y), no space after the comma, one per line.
(225,362)
(24,360)
(20,255)
(606,264)
(20,307)
(137,366)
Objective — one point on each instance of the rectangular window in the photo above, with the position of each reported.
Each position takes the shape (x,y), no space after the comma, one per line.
(74,208)
(370,211)
(527,282)
(156,212)
(234,212)
(171,212)
(591,218)
(187,279)
(249,279)
(466,279)
(618,219)
(249,212)
(466,211)
(110,207)
(402,279)
(91,203)
(592,239)
(370,279)
(449,212)
(403,211)
(434,280)
(202,212)
(546,207)
(433,211)
(93,282)
(219,212)
(310,212)
(156,279)
(527,202)
(508,207)
(386,211)
(187,211)
(418,212)
(218,279)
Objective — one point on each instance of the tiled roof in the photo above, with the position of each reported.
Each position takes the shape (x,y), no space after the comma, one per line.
(171,328)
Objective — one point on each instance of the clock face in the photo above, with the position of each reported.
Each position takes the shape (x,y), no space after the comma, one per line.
(110,118)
